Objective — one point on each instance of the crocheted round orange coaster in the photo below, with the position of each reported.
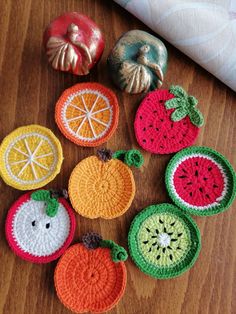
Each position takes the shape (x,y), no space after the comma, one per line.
(102,188)
(87,114)
(89,279)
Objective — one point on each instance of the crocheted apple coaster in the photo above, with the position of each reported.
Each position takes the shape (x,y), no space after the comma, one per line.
(103,187)
(30,157)
(201,181)
(91,277)
(87,114)
(39,226)
(167,121)
(163,241)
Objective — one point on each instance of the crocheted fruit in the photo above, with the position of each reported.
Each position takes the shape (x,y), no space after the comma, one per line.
(103,187)
(163,241)
(167,121)
(40,227)
(201,181)
(91,279)
(30,157)
(87,114)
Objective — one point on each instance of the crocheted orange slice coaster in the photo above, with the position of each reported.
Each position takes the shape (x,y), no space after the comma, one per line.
(30,157)
(101,188)
(87,114)
(88,279)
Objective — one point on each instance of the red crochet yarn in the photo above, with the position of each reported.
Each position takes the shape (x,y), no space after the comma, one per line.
(154,129)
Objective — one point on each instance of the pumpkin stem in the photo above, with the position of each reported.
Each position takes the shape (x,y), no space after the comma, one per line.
(131,157)
(91,240)
(104,154)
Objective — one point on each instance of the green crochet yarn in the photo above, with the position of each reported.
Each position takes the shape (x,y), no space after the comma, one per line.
(131,157)
(163,241)
(184,105)
(52,204)
(118,253)
(201,181)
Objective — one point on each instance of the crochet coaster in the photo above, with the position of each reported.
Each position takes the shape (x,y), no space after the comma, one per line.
(87,114)
(163,241)
(30,157)
(167,121)
(201,181)
(103,187)
(89,278)
(40,227)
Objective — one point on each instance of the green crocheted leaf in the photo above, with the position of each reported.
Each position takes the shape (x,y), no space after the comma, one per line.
(192,101)
(52,207)
(172,103)
(41,195)
(119,154)
(196,117)
(134,158)
(118,253)
(178,91)
(178,114)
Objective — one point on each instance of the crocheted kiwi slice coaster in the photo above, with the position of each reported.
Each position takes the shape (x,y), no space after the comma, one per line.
(87,114)
(102,186)
(39,227)
(167,121)
(30,157)
(201,181)
(91,277)
(163,241)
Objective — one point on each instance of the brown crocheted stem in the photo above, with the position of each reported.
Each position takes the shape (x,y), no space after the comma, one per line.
(59,193)
(104,154)
(91,240)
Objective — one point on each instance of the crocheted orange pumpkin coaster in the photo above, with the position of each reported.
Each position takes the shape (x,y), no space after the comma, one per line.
(103,187)
(87,114)
(30,157)
(91,276)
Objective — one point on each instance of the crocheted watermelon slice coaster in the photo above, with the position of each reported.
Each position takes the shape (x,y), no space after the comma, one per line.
(163,241)
(201,181)
(91,277)
(39,227)
(100,186)
(87,114)
(167,121)
(30,157)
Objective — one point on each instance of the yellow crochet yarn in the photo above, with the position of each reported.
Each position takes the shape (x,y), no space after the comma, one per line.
(101,189)
(30,157)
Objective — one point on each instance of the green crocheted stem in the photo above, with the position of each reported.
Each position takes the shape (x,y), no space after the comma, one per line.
(131,157)
(184,105)
(52,204)
(118,253)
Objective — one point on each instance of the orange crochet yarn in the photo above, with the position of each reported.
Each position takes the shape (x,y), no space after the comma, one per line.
(89,280)
(101,189)
(87,114)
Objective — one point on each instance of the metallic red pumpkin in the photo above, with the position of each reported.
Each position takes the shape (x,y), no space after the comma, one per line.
(73,43)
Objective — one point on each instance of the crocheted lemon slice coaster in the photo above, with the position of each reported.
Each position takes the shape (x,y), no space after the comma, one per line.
(87,114)
(163,241)
(167,121)
(87,279)
(39,227)
(102,187)
(201,181)
(30,157)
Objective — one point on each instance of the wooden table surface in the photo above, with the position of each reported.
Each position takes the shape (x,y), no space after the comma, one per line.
(29,89)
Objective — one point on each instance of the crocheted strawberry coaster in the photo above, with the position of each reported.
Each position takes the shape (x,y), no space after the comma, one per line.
(201,181)
(30,157)
(163,241)
(87,114)
(167,121)
(100,186)
(40,226)
(91,277)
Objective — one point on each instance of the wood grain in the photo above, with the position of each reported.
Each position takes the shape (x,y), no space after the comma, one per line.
(29,89)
